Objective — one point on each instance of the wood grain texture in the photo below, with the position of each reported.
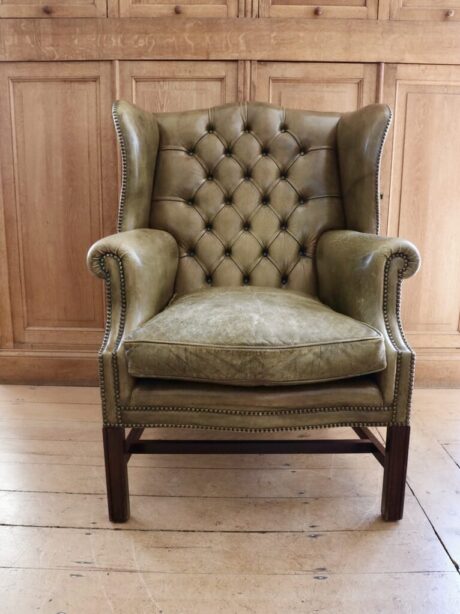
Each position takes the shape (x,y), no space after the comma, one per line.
(178,86)
(424,196)
(53,367)
(58,198)
(327,9)
(182,8)
(203,539)
(435,10)
(114,592)
(315,86)
(269,39)
(53,8)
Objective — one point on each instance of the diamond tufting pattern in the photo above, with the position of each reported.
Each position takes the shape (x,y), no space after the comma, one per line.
(246,191)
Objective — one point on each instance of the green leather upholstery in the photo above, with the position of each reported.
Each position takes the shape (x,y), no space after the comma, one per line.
(360,276)
(246,191)
(243,234)
(253,336)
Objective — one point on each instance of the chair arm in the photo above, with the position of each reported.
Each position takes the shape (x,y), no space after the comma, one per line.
(139,268)
(360,275)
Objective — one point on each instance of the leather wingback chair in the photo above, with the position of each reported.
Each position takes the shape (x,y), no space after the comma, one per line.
(248,289)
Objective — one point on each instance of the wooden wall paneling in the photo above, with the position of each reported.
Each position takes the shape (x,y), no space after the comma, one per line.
(434,10)
(326,9)
(424,197)
(180,86)
(315,86)
(384,9)
(185,8)
(221,39)
(113,8)
(6,322)
(59,190)
(53,8)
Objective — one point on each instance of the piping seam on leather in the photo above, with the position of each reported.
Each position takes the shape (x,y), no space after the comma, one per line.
(243,412)
(122,320)
(124,165)
(386,317)
(274,429)
(253,348)
(377,172)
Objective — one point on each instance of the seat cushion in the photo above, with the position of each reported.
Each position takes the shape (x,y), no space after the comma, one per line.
(253,336)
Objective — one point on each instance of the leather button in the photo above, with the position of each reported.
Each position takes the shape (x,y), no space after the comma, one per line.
(246,280)
(228,252)
(228,202)
(228,152)
(265,201)
(247,177)
(284,280)
(283,128)
(191,152)
(303,251)
(302,152)
(247,128)
(246,226)
(210,128)
(210,177)
(208,226)
(191,252)
(283,225)
(265,252)
(264,151)
(283,177)
(208,279)
(301,201)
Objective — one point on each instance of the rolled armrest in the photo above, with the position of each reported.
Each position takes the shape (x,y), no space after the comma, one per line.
(139,269)
(352,266)
(360,275)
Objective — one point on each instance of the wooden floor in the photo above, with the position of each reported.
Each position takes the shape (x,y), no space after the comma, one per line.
(216,534)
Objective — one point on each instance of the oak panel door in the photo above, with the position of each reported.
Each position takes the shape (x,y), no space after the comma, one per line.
(59,174)
(53,8)
(326,9)
(178,85)
(424,202)
(187,8)
(314,86)
(433,10)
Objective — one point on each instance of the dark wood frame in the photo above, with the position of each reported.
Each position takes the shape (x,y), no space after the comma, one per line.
(118,449)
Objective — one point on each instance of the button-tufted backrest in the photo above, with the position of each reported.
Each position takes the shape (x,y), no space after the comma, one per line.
(247,190)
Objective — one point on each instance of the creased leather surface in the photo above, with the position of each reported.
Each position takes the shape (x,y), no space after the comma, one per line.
(247,194)
(138,135)
(360,139)
(178,404)
(139,268)
(359,275)
(253,336)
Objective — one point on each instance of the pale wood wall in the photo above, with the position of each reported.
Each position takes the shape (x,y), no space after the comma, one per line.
(61,65)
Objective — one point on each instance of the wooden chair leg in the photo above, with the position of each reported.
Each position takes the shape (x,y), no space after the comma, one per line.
(394,472)
(116,473)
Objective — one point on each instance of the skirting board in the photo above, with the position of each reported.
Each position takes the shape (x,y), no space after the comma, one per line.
(440,370)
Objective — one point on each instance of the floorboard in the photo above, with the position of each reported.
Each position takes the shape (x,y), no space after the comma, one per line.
(221,534)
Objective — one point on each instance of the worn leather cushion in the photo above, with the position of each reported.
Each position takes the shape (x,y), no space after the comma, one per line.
(253,336)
